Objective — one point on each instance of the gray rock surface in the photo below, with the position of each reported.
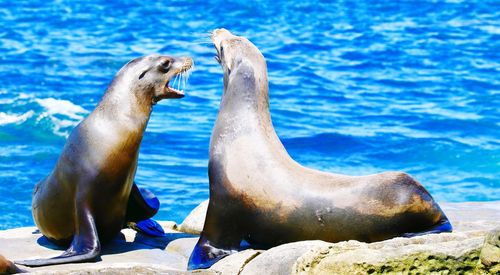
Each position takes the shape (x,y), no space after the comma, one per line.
(490,253)
(466,216)
(182,247)
(474,246)
(194,222)
(234,264)
(453,253)
(280,259)
(129,253)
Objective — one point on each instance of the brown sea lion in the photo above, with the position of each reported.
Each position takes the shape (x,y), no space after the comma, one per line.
(7,267)
(90,194)
(260,195)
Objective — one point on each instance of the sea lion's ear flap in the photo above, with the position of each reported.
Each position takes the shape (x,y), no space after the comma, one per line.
(143,74)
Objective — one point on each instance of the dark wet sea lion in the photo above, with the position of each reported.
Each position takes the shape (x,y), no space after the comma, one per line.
(7,267)
(90,194)
(260,195)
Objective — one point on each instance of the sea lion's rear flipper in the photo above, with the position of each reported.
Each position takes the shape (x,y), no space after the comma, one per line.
(142,204)
(149,227)
(204,254)
(85,246)
(442,227)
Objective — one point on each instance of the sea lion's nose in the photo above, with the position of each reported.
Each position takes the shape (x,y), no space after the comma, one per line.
(219,32)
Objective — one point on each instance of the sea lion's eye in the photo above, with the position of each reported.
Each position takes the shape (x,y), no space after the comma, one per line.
(221,51)
(165,65)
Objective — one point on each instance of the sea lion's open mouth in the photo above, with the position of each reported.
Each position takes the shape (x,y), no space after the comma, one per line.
(179,80)
(173,91)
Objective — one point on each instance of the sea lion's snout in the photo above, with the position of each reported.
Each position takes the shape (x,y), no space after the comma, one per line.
(177,70)
(218,36)
(182,64)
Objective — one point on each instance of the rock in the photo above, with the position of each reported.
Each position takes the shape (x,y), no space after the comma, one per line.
(234,264)
(129,253)
(490,253)
(183,247)
(473,247)
(193,223)
(467,216)
(449,253)
(280,259)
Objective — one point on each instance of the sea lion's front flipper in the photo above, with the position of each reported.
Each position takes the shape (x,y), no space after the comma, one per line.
(221,235)
(85,246)
(142,204)
(204,254)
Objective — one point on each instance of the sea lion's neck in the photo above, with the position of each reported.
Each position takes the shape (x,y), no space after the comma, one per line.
(246,92)
(244,110)
(122,106)
(244,116)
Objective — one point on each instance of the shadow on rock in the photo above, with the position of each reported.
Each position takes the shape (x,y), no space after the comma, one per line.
(120,244)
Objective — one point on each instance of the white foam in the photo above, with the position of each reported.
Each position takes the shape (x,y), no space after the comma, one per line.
(490,29)
(14,118)
(62,107)
(24,96)
(72,114)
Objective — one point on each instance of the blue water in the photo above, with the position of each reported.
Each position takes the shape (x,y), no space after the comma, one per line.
(355,88)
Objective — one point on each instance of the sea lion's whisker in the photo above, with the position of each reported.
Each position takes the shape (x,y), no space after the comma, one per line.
(185,80)
(179,82)
(188,74)
(176,78)
(192,68)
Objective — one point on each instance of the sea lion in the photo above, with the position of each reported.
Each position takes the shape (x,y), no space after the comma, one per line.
(90,195)
(261,196)
(7,267)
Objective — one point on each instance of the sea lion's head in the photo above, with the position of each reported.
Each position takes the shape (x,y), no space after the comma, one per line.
(151,77)
(238,57)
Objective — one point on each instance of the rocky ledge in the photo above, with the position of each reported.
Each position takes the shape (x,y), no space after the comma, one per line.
(473,247)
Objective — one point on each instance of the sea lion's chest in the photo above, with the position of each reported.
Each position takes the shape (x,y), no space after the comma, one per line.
(97,151)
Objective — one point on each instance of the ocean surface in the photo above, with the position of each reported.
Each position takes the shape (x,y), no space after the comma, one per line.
(356,87)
